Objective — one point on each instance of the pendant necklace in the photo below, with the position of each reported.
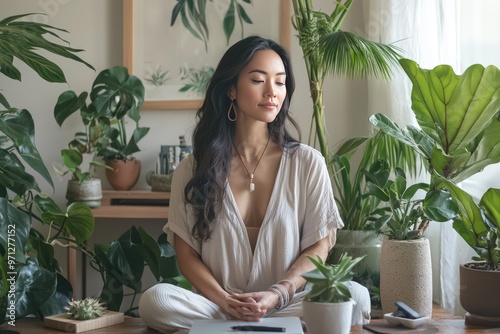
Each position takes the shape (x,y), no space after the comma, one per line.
(252,185)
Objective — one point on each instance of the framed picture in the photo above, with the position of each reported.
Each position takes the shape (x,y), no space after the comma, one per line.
(172,62)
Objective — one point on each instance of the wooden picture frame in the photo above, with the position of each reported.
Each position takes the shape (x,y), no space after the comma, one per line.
(134,50)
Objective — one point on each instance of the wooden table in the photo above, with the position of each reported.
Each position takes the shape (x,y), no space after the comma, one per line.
(443,320)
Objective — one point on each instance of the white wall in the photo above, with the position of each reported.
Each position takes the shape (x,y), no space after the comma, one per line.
(96,27)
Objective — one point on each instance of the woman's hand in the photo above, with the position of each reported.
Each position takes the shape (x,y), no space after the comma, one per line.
(251,306)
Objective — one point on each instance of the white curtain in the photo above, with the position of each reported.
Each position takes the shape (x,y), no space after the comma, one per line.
(429,32)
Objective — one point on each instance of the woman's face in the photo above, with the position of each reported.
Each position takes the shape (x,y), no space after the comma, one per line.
(260,89)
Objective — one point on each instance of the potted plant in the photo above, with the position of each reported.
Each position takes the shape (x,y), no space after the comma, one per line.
(328,305)
(40,288)
(330,50)
(115,95)
(458,118)
(479,226)
(358,237)
(405,260)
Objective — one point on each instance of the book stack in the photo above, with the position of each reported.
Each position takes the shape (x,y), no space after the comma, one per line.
(171,155)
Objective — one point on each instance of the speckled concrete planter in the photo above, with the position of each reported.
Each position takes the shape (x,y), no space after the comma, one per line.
(406,275)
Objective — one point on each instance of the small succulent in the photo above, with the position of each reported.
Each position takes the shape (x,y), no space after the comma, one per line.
(88,308)
(328,281)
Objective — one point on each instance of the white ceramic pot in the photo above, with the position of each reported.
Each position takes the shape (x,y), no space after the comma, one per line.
(406,275)
(88,192)
(322,318)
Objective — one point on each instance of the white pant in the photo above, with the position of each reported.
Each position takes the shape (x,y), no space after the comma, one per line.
(166,307)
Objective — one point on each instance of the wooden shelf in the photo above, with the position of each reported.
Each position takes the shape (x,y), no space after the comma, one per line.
(130,204)
(142,204)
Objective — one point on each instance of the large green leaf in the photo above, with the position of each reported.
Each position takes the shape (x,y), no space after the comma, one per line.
(14,227)
(470,225)
(18,125)
(23,40)
(490,202)
(454,109)
(78,221)
(115,93)
(34,286)
(59,300)
(67,104)
(13,175)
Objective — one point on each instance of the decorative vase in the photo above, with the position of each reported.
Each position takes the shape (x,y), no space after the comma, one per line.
(124,174)
(357,244)
(406,275)
(323,318)
(479,296)
(88,192)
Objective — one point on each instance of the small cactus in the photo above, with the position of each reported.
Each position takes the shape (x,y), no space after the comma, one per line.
(88,308)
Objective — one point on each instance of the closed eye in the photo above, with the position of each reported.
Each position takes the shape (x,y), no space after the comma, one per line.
(258,81)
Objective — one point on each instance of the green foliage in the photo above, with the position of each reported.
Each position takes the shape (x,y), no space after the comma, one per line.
(328,282)
(23,40)
(39,287)
(479,225)
(194,18)
(114,95)
(405,217)
(459,130)
(459,135)
(122,263)
(350,185)
(198,80)
(328,50)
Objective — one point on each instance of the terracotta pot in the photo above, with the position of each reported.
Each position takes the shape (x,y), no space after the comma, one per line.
(480,296)
(88,192)
(406,275)
(124,174)
(324,318)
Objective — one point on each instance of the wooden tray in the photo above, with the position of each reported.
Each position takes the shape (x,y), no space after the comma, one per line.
(62,322)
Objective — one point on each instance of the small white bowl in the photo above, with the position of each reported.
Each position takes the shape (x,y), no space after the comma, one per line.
(410,323)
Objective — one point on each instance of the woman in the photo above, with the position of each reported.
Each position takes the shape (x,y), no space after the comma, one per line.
(249,204)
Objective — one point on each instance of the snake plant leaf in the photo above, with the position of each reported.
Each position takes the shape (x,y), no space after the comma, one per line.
(18,125)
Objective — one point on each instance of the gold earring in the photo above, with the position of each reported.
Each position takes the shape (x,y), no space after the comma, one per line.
(229,112)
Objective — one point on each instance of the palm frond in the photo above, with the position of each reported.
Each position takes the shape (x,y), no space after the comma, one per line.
(347,54)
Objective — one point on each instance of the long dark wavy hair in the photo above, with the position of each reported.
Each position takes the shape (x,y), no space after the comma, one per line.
(213,135)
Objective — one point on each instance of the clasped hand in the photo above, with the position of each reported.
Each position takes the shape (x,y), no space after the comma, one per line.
(250,306)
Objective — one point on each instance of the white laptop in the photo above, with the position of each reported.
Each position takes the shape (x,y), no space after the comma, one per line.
(291,325)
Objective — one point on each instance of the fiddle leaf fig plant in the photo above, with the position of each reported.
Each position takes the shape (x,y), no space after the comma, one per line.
(479,225)
(459,130)
(328,281)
